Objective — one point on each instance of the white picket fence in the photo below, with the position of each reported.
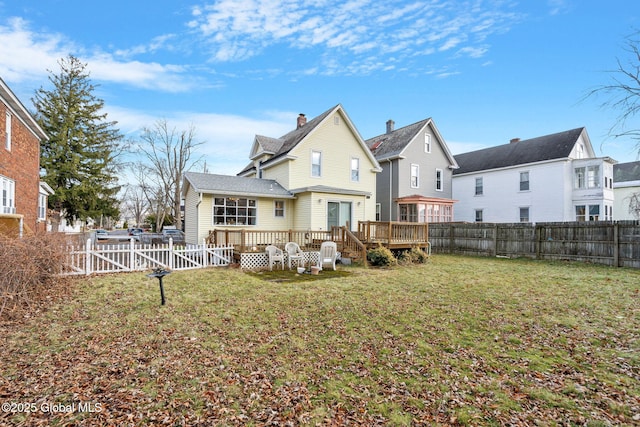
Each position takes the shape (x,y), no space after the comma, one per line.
(94,258)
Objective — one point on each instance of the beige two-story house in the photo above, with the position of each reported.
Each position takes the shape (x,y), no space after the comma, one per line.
(319,175)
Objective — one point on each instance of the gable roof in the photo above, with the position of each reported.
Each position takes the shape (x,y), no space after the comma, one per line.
(624,172)
(280,147)
(392,145)
(549,147)
(21,112)
(230,185)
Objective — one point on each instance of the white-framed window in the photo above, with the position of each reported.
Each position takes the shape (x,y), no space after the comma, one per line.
(316,163)
(479,215)
(427,143)
(234,211)
(479,187)
(355,169)
(589,212)
(593,177)
(439,183)
(378,211)
(580,151)
(8,195)
(278,208)
(524,214)
(7,142)
(579,178)
(524,181)
(336,120)
(415,175)
(42,207)
(409,212)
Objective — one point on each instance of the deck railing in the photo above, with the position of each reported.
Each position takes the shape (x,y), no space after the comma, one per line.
(370,233)
(256,240)
(394,233)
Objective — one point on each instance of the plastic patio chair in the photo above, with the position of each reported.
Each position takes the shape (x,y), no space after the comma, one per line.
(294,253)
(275,255)
(328,254)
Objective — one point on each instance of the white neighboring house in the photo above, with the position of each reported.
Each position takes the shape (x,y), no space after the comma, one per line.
(551,178)
(626,187)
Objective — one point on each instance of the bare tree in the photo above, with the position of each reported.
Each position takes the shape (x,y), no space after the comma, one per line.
(623,92)
(634,205)
(135,203)
(167,153)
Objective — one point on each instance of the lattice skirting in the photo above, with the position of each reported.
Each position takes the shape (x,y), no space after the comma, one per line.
(260,260)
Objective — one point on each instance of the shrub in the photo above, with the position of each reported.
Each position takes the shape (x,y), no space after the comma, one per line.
(416,255)
(29,270)
(381,257)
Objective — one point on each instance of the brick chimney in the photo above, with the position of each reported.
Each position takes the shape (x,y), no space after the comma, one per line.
(514,140)
(302,120)
(390,125)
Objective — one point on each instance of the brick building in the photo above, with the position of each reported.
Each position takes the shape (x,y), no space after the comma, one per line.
(23,197)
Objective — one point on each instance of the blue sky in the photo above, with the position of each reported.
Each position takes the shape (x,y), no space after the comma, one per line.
(485,71)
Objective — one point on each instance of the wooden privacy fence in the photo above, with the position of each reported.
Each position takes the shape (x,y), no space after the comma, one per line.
(93,258)
(601,242)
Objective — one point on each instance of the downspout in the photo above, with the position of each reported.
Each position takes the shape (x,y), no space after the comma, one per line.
(198,216)
(390,189)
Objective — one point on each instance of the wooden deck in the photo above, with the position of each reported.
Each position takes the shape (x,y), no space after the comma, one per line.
(394,235)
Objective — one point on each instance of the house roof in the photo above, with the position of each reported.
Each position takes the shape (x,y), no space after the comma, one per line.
(280,147)
(548,147)
(21,112)
(623,172)
(327,189)
(392,145)
(235,185)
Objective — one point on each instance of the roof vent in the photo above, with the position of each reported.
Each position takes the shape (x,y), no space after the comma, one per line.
(302,120)
(514,140)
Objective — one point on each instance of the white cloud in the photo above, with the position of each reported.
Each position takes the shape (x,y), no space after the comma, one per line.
(349,32)
(557,7)
(29,55)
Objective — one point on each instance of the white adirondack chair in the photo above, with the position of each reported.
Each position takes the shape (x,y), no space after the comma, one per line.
(328,254)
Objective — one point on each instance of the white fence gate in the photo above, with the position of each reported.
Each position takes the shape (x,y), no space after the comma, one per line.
(132,256)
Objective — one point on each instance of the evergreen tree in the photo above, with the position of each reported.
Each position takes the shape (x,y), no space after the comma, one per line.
(79,159)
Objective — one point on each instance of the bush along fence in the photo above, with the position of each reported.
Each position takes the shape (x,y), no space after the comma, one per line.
(93,258)
(601,242)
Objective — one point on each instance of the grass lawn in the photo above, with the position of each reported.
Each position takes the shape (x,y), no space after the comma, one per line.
(456,341)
